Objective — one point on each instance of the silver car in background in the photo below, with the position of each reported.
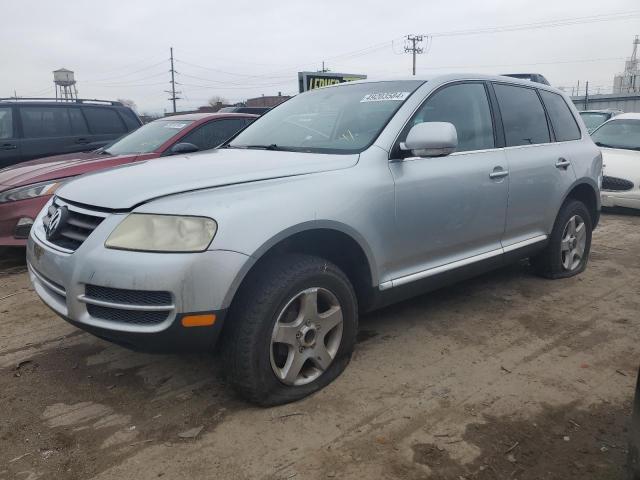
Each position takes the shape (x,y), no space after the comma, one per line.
(339,201)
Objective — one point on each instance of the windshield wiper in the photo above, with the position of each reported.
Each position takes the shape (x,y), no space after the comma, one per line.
(272,146)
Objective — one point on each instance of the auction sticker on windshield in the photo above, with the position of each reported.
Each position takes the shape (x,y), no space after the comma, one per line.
(385,96)
(175,125)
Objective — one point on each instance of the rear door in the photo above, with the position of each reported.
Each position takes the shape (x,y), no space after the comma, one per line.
(537,178)
(105,125)
(10,144)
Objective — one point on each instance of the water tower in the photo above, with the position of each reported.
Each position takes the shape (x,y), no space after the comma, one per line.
(65,85)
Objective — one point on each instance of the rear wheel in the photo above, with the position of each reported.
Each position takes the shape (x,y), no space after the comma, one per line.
(567,252)
(291,331)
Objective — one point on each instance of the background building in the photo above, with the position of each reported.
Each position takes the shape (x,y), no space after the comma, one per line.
(268,101)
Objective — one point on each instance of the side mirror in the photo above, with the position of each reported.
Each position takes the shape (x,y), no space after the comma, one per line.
(184,148)
(431,139)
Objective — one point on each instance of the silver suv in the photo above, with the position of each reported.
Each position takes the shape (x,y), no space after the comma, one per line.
(339,201)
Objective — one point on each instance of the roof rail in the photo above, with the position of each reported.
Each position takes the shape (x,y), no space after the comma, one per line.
(532,77)
(61,100)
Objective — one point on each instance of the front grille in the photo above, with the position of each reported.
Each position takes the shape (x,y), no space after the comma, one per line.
(135,297)
(73,229)
(616,184)
(132,317)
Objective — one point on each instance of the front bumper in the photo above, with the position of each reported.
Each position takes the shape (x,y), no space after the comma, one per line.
(630,199)
(12,212)
(127,313)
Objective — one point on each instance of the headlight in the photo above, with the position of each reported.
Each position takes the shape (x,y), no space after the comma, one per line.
(30,191)
(162,233)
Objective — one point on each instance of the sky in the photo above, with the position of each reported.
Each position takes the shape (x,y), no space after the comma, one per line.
(241,49)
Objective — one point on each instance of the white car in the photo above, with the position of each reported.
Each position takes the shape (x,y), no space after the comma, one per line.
(619,139)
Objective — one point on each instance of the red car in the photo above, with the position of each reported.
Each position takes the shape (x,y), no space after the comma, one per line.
(26,187)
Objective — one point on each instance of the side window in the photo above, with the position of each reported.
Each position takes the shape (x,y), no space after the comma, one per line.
(42,122)
(6,123)
(563,123)
(78,123)
(130,119)
(213,133)
(104,120)
(523,117)
(466,106)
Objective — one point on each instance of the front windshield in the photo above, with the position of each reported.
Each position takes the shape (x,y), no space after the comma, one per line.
(593,120)
(342,119)
(618,134)
(147,138)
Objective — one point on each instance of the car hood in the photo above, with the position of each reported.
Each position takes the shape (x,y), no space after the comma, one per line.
(52,168)
(617,162)
(124,187)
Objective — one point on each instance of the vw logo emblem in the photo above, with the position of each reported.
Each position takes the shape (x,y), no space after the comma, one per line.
(55,222)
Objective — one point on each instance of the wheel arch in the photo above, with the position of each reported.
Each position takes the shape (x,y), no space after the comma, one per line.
(586,190)
(334,241)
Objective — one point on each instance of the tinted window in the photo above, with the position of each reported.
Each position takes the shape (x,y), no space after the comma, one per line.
(562,121)
(78,123)
(466,106)
(38,122)
(130,119)
(104,120)
(522,115)
(214,133)
(6,123)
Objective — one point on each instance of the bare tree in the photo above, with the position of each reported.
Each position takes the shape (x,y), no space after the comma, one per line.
(128,103)
(217,99)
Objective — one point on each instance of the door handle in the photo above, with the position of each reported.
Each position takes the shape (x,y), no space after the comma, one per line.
(8,146)
(563,163)
(499,174)
(82,140)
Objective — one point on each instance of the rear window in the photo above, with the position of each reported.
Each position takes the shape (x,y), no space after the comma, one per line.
(6,123)
(39,122)
(563,123)
(129,118)
(104,120)
(523,117)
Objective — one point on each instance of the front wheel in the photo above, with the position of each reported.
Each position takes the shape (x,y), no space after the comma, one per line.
(567,252)
(291,331)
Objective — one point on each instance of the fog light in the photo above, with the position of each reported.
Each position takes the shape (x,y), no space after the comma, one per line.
(23,227)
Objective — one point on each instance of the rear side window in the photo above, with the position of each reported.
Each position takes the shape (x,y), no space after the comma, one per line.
(78,123)
(523,117)
(563,123)
(41,122)
(213,133)
(130,119)
(6,123)
(104,120)
(466,106)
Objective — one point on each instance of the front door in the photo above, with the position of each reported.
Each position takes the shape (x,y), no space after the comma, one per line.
(452,208)
(10,144)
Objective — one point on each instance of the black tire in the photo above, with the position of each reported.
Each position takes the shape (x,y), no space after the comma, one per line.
(549,262)
(248,330)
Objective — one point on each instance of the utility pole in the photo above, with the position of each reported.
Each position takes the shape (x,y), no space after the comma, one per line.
(586,96)
(414,48)
(173,92)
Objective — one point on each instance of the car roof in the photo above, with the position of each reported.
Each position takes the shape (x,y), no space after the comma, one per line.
(603,110)
(62,103)
(206,116)
(626,116)
(449,77)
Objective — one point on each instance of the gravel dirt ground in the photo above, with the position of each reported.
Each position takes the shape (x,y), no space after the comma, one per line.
(506,376)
